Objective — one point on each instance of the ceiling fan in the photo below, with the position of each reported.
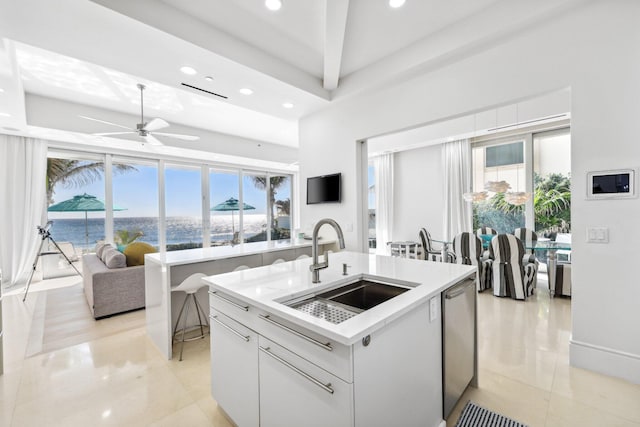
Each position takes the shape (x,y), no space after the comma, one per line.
(145,130)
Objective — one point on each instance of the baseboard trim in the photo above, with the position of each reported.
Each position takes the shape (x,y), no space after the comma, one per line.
(605,360)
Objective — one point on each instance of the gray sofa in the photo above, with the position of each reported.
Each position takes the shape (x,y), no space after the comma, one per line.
(111,291)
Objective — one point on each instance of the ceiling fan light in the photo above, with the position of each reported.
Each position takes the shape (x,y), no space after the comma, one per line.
(273,4)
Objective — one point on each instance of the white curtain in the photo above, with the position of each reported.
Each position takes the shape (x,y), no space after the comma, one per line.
(456,158)
(23,170)
(383,168)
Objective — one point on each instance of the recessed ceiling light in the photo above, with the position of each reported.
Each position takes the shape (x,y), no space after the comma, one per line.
(5,115)
(245,91)
(209,78)
(287,105)
(396,3)
(273,4)
(188,70)
(1,90)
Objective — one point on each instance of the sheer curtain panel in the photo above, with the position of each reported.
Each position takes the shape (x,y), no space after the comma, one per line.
(456,157)
(383,166)
(23,171)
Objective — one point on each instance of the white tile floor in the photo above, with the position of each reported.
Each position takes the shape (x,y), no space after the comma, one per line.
(120,379)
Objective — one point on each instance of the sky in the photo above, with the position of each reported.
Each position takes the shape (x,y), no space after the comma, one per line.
(137,192)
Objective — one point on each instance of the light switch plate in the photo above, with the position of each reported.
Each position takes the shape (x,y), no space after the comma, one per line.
(597,234)
(433,309)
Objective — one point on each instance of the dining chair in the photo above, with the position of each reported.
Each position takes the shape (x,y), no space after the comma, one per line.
(485,231)
(529,238)
(511,277)
(467,249)
(429,252)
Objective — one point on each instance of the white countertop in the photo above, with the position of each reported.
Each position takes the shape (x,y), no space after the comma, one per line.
(188,256)
(266,287)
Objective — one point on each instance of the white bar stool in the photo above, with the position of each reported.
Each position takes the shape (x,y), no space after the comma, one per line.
(190,286)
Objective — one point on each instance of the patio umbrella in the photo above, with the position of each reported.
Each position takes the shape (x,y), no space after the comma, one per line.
(232,205)
(82,203)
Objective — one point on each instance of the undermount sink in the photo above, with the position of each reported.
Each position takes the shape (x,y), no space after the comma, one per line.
(363,294)
(344,302)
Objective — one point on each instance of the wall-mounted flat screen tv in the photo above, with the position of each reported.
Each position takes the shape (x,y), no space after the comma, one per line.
(323,189)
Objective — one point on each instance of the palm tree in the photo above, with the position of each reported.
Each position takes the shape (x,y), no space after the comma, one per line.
(274,183)
(75,173)
(551,204)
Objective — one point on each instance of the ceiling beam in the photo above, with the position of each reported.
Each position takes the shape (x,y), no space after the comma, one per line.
(335,28)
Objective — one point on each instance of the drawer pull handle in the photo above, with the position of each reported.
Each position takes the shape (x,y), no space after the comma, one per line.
(233,303)
(326,346)
(229,328)
(325,387)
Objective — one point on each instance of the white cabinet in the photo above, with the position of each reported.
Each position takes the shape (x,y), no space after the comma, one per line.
(295,392)
(234,369)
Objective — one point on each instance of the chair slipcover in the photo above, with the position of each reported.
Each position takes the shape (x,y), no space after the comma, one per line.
(511,277)
(563,280)
(429,252)
(529,238)
(467,249)
(485,230)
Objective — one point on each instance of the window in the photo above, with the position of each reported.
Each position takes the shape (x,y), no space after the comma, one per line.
(504,154)
(183,207)
(254,215)
(552,184)
(371,185)
(135,199)
(498,162)
(224,198)
(69,177)
(280,206)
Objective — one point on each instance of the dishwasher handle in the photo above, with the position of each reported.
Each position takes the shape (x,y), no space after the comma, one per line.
(459,289)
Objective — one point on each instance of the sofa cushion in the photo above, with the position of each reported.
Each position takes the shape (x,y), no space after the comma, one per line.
(135,252)
(114,258)
(100,247)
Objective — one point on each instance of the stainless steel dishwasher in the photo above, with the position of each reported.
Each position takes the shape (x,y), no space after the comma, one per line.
(459,342)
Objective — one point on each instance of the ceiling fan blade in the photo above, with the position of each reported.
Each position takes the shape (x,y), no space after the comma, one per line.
(105,122)
(156,124)
(113,133)
(151,140)
(178,136)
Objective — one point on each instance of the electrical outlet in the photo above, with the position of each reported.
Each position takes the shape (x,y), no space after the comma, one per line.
(433,309)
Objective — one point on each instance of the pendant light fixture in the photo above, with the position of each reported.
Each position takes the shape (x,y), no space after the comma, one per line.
(475,196)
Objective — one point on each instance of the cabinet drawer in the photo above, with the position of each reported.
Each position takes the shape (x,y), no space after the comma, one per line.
(232,307)
(294,392)
(329,355)
(234,369)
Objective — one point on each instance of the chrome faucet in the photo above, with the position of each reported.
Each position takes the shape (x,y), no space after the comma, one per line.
(316,266)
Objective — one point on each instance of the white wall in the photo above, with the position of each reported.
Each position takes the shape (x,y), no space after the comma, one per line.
(594,50)
(418,193)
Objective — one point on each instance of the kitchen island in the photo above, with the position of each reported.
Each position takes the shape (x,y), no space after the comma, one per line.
(164,270)
(273,364)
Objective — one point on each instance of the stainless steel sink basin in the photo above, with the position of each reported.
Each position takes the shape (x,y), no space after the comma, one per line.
(363,294)
(344,302)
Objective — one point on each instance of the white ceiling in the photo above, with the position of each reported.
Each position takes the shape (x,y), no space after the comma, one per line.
(310,53)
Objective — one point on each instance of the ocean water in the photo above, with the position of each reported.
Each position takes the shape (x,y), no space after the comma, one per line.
(179,229)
